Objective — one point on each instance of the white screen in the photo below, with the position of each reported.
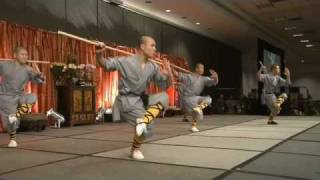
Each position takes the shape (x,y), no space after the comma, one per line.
(270,58)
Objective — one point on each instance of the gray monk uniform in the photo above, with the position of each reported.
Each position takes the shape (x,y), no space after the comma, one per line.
(133,83)
(191,88)
(271,87)
(12,94)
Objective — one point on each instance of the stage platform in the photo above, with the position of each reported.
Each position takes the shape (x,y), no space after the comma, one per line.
(227,147)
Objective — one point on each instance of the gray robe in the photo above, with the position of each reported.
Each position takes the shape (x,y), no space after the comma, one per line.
(12,94)
(191,87)
(133,83)
(271,87)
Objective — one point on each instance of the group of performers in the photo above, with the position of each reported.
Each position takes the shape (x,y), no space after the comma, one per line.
(131,104)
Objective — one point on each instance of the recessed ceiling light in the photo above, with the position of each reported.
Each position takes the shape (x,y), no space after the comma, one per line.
(297,35)
(290,28)
(197,23)
(168,10)
(148,2)
(304,40)
(309,45)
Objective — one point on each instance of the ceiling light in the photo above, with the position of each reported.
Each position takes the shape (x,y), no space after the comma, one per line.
(148,2)
(309,45)
(297,35)
(168,10)
(304,40)
(197,23)
(290,28)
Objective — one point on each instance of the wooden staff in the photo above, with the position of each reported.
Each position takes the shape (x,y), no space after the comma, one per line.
(156,60)
(29,61)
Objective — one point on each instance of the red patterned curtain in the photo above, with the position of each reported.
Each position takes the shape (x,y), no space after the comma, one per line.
(48,46)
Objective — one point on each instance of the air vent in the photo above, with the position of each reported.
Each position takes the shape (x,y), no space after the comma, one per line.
(264,6)
(279,19)
(269,4)
(298,18)
(116,2)
(276,1)
(308,31)
(317,42)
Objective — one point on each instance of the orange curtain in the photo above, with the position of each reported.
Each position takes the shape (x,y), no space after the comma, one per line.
(48,46)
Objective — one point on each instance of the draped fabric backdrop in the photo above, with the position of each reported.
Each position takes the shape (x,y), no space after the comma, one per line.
(49,46)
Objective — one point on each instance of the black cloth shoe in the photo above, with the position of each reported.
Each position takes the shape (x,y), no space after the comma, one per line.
(272,123)
(185,120)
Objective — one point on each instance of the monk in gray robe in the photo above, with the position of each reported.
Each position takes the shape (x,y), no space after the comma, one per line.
(271,95)
(132,104)
(180,88)
(13,100)
(191,88)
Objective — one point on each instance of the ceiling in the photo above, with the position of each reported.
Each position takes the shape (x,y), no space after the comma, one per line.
(286,18)
(239,22)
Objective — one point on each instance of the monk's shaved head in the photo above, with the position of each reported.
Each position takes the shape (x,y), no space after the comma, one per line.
(145,39)
(21,55)
(147,46)
(18,49)
(275,69)
(199,69)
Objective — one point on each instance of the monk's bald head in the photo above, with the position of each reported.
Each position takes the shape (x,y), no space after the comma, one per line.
(21,54)
(145,39)
(275,69)
(147,46)
(199,68)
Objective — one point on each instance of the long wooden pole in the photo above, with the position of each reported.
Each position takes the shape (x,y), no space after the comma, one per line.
(29,61)
(156,60)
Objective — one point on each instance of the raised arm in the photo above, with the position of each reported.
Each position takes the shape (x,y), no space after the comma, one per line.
(109,64)
(99,54)
(212,80)
(163,77)
(261,76)
(287,81)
